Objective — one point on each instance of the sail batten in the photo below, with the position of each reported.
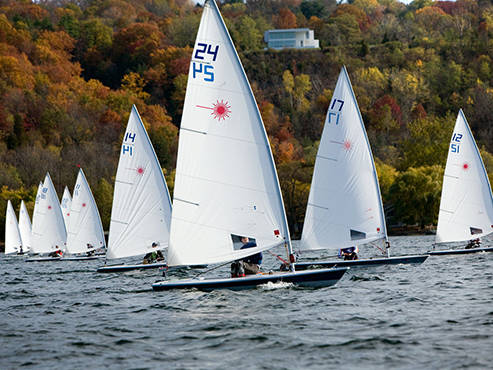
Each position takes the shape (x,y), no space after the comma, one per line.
(466,205)
(141,212)
(344,205)
(226,184)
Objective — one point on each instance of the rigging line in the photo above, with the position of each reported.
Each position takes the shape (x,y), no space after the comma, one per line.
(212,269)
(278,257)
(381,250)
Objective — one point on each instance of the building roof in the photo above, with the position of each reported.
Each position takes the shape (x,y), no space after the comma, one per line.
(290,30)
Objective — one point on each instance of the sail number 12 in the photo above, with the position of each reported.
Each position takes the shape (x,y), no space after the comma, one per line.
(455,145)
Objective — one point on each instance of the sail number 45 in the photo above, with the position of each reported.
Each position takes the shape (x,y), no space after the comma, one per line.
(202,53)
(455,145)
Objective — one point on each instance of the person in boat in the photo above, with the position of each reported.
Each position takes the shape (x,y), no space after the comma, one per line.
(249,265)
(154,256)
(20,250)
(90,250)
(56,253)
(475,243)
(349,254)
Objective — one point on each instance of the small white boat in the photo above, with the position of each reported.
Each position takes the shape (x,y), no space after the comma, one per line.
(85,230)
(25,228)
(13,241)
(466,206)
(65,205)
(226,183)
(48,229)
(345,206)
(141,212)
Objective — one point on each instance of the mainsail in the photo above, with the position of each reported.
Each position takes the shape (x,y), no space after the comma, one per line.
(25,227)
(344,206)
(226,184)
(65,204)
(85,231)
(466,206)
(12,234)
(49,231)
(141,213)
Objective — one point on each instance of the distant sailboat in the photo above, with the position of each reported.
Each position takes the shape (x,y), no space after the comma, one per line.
(466,206)
(85,231)
(141,213)
(13,241)
(65,204)
(48,229)
(226,183)
(345,206)
(25,227)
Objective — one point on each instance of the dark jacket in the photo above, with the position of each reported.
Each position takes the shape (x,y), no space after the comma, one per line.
(256,258)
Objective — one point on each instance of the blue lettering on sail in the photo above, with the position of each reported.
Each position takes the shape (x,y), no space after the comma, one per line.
(127,148)
(130,136)
(207,70)
(455,145)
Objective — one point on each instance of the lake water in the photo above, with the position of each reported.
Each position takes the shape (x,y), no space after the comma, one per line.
(435,315)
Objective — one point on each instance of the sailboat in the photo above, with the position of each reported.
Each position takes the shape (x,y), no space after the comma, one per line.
(466,206)
(65,204)
(141,212)
(345,206)
(85,231)
(48,229)
(25,228)
(13,241)
(226,183)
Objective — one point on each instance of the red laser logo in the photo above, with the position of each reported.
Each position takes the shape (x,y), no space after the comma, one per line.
(220,110)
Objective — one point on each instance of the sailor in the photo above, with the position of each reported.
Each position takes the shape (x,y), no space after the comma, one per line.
(90,250)
(20,250)
(155,255)
(251,264)
(475,243)
(56,253)
(350,253)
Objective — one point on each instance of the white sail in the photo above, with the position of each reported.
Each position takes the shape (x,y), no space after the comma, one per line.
(466,206)
(36,203)
(85,231)
(25,227)
(226,183)
(65,204)
(141,212)
(344,206)
(13,240)
(49,231)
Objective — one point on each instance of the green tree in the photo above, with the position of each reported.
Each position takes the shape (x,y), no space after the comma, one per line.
(415,195)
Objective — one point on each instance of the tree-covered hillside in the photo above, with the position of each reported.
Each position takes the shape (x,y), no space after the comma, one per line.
(70,71)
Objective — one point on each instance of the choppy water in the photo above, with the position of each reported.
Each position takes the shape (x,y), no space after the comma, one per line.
(435,315)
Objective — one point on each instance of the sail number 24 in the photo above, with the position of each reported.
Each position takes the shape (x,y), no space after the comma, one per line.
(204,54)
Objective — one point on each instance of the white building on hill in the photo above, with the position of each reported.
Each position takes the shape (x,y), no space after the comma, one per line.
(298,38)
